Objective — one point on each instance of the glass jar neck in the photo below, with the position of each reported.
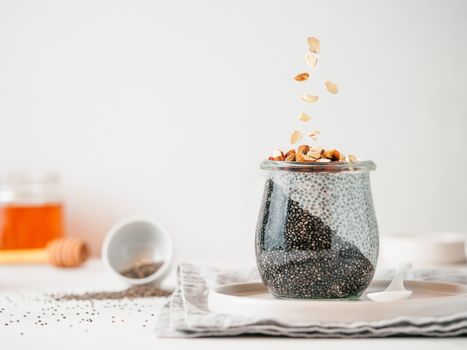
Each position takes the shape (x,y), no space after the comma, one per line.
(318,167)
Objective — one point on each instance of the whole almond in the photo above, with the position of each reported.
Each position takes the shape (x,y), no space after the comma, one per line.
(296,136)
(309,98)
(302,76)
(332,154)
(304,117)
(331,87)
(314,44)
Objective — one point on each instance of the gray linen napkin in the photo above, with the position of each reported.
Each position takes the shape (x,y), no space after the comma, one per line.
(186,314)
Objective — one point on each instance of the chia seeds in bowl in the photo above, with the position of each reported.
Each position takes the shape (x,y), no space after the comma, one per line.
(317,235)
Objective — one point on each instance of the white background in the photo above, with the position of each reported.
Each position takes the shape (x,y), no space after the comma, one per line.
(166,108)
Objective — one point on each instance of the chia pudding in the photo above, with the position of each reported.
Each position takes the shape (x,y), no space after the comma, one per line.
(317,234)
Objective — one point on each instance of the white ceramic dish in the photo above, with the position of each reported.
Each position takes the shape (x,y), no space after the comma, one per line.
(253,299)
(423,249)
(134,240)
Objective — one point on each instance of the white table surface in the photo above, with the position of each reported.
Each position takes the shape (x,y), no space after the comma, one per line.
(69,327)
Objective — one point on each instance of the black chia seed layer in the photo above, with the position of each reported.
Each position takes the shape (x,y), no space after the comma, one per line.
(299,256)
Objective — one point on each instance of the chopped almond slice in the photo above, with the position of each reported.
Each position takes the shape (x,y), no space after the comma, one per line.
(314,44)
(304,117)
(309,98)
(307,158)
(317,149)
(311,60)
(302,76)
(296,136)
(278,155)
(290,158)
(331,87)
(304,158)
(303,149)
(291,152)
(314,154)
(352,158)
(314,134)
(299,157)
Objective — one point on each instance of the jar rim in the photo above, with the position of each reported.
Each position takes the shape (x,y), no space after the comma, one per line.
(312,167)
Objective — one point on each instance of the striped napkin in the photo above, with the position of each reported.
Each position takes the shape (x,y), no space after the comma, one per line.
(186,313)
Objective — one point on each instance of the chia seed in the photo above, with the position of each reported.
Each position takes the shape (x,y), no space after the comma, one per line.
(137,291)
(299,256)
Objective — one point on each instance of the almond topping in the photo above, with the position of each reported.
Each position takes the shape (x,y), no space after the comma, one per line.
(303,149)
(290,158)
(278,154)
(309,98)
(333,154)
(304,158)
(296,136)
(314,154)
(331,87)
(304,117)
(314,134)
(302,76)
(311,60)
(313,44)
(317,149)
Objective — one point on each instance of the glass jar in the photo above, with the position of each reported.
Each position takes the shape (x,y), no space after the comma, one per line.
(30,210)
(317,235)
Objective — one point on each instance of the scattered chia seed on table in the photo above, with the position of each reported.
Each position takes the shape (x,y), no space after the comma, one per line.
(138,291)
(299,256)
(142,269)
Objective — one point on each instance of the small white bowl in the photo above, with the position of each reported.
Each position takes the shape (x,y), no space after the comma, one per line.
(423,249)
(134,240)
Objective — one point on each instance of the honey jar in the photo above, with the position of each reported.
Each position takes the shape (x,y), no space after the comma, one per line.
(30,210)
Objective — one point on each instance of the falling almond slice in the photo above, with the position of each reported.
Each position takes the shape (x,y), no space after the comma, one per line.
(311,60)
(314,134)
(352,158)
(304,117)
(302,76)
(296,136)
(314,44)
(331,87)
(309,98)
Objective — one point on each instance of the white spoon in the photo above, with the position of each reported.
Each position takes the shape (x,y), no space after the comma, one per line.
(395,291)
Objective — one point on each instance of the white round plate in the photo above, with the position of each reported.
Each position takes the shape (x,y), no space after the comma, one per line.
(254,300)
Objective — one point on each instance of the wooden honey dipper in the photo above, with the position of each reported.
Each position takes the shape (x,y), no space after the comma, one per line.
(60,252)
